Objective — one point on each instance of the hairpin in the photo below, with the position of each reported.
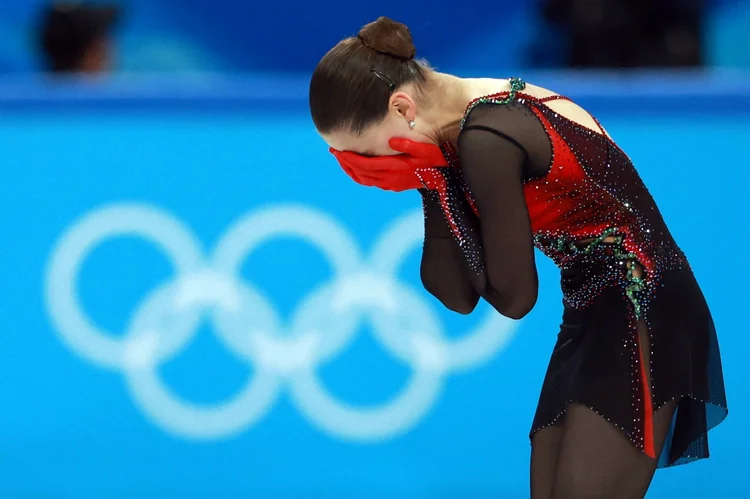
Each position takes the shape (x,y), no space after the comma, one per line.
(391,85)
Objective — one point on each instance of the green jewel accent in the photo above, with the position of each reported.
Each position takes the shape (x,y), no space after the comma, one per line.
(516,85)
(635,285)
(560,244)
(604,235)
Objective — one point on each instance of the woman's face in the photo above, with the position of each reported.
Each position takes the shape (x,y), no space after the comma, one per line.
(374,141)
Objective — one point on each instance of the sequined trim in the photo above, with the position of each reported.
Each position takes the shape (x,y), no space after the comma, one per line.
(635,284)
(451,156)
(445,187)
(516,85)
(613,203)
(628,434)
(638,440)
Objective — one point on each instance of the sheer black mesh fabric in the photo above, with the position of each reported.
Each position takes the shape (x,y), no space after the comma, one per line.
(585,457)
(499,148)
(443,270)
(686,364)
(587,421)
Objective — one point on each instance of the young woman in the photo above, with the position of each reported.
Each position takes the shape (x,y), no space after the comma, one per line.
(635,379)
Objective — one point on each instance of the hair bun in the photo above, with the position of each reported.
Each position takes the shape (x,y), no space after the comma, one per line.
(388,37)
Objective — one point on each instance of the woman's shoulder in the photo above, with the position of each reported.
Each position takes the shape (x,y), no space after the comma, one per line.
(507,94)
(517,104)
(538,92)
(503,111)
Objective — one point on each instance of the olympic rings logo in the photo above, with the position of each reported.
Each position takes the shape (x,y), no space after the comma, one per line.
(284,354)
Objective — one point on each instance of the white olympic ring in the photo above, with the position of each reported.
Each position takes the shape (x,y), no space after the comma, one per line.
(247,324)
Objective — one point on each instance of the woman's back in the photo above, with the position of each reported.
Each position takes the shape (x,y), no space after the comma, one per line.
(578,182)
(565,107)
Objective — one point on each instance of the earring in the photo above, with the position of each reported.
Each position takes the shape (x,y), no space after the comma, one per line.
(412,124)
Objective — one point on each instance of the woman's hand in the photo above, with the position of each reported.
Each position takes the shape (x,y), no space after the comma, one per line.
(414,168)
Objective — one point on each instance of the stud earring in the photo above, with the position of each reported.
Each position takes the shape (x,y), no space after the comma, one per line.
(412,124)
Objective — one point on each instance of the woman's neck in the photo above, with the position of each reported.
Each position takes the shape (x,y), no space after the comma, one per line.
(450,96)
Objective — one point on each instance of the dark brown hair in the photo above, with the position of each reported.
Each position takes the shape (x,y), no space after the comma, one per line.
(351,85)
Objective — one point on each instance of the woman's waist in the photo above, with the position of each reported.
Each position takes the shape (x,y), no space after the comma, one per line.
(674,290)
(605,245)
(585,278)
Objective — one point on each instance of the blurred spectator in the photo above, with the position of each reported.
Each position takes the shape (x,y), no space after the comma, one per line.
(77,37)
(629,33)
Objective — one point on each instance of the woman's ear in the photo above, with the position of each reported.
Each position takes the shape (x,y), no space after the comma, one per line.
(404,105)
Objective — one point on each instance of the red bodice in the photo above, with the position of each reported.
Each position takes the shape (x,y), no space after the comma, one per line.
(567,205)
(590,193)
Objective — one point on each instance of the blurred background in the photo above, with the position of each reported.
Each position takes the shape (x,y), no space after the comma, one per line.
(197,303)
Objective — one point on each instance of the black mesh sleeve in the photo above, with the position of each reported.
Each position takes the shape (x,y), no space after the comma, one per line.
(493,257)
(443,270)
(499,147)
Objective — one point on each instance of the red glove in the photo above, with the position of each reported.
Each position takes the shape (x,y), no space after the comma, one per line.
(415,168)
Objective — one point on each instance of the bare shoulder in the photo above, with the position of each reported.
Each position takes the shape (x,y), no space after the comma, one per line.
(537,91)
(489,86)
(567,108)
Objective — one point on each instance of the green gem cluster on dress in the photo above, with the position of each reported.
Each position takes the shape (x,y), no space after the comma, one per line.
(635,285)
(516,85)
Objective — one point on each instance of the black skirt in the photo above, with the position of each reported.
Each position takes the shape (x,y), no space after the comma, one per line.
(597,362)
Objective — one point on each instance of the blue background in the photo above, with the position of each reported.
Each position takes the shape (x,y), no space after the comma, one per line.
(209,149)
(223,130)
(291,36)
